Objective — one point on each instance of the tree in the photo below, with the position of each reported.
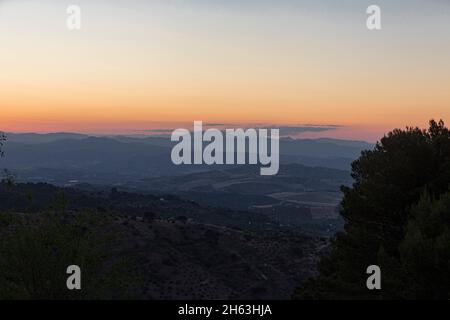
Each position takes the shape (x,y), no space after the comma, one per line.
(2,143)
(425,250)
(36,249)
(388,182)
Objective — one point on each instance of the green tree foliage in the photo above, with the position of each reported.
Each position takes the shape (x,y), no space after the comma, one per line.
(36,249)
(425,250)
(388,182)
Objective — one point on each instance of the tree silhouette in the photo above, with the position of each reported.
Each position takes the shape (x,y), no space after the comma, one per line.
(388,181)
(2,143)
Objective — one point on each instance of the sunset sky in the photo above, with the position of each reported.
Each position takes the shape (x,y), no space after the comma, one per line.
(138,65)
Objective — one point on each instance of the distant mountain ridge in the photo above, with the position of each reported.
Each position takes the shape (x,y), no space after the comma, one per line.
(62,157)
(37,138)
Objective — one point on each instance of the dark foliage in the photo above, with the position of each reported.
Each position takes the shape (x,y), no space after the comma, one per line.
(35,251)
(387,223)
(425,250)
(2,143)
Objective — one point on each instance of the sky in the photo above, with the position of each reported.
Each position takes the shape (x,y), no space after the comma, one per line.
(142,65)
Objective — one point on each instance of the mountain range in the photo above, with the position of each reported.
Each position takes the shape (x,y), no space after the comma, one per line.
(60,158)
(305,193)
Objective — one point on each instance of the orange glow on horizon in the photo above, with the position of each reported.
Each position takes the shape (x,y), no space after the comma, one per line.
(129,69)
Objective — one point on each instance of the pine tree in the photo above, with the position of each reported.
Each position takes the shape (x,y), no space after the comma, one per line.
(388,182)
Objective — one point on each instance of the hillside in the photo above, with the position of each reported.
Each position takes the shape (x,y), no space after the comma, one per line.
(306,197)
(35,198)
(180,260)
(180,257)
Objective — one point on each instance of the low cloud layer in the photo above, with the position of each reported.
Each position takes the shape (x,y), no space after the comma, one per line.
(285,131)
